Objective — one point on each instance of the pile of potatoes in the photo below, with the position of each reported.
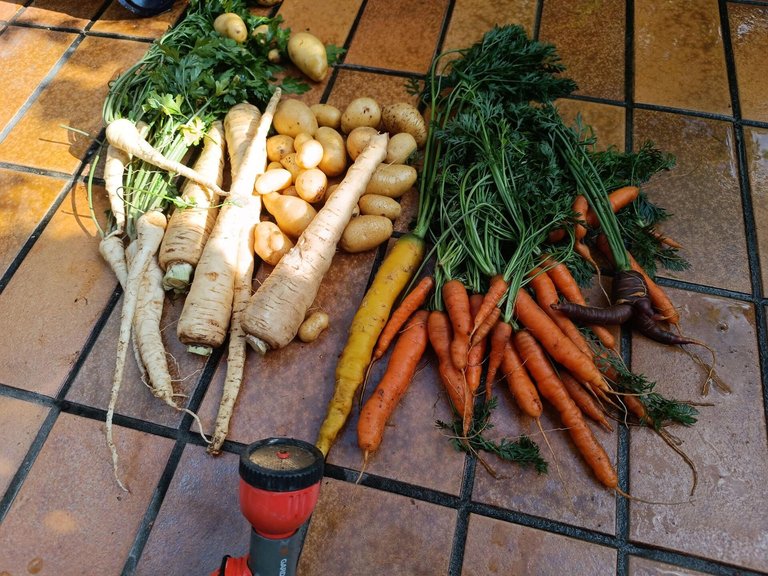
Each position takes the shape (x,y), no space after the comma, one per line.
(309,154)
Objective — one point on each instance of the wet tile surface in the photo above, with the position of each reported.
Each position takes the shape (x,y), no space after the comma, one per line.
(420,507)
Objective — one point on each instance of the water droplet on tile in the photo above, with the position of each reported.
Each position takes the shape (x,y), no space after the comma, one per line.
(35,565)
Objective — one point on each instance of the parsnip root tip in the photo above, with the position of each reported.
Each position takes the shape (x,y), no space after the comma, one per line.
(257,344)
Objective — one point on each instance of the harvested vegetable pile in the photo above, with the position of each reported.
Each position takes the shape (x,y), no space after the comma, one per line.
(521,211)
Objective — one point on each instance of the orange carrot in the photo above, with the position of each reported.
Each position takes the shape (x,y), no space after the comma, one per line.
(499,338)
(456,300)
(546,295)
(485,327)
(567,286)
(407,307)
(551,387)
(440,336)
(476,353)
(406,354)
(619,198)
(498,286)
(519,382)
(580,207)
(584,400)
(557,344)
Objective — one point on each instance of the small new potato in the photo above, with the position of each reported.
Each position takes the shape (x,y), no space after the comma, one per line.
(279,146)
(379,205)
(361,111)
(309,154)
(358,139)
(404,117)
(365,232)
(311,185)
(327,115)
(289,163)
(392,180)
(291,213)
(307,52)
(313,326)
(272,181)
(334,160)
(270,243)
(400,147)
(230,25)
(292,117)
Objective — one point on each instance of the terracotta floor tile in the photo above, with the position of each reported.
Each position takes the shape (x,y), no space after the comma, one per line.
(118,20)
(24,201)
(20,422)
(470,19)
(86,517)
(197,533)
(749,35)
(606,121)
(74,98)
(353,84)
(704,182)
(411,536)
(53,300)
(331,22)
(679,58)
(599,70)
(496,547)
(644,567)
(74,14)
(756,141)
(28,55)
(727,444)
(418,28)
(9,9)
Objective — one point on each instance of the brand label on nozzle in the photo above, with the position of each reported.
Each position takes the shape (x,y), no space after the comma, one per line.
(283,567)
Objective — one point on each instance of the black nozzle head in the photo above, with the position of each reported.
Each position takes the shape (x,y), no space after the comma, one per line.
(147,7)
(281,464)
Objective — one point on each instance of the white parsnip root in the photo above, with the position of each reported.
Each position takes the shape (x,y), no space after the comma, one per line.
(279,306)
(189,227)
(123,134)
(114,166)
(149,229)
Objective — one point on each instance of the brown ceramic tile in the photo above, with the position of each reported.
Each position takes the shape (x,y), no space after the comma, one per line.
(70,516)
(73,99)
(704,182)
(19,424)
(749,35)
(24,201)
(645,567)
(680,65)
(418,29)
(410,536)
(384,89)
(9,9)
(201,530)
(329,21)
(118,20)
(727,444)
(598,67)
(470,19)
(756,141)
(496,547)
(606,121)
(53,300)
(61,13)
(93,382)
(29,54)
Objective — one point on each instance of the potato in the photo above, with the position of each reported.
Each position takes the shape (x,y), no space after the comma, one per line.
(299,140)
(358,139)
(290,164)
(327,115)
(400,147)
(313,326)
(311,185)
(404,117)
(309,154)
(278,146)
(391,180)
(292,214)
(334,160)
(230,25)
(272,181)
(274,166)
(292,117)
(307,52)
(379,205)
(290,191)
(270,243)
(365,232)
(361,111)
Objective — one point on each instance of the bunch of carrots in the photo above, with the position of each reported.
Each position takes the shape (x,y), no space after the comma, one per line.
(519,210)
